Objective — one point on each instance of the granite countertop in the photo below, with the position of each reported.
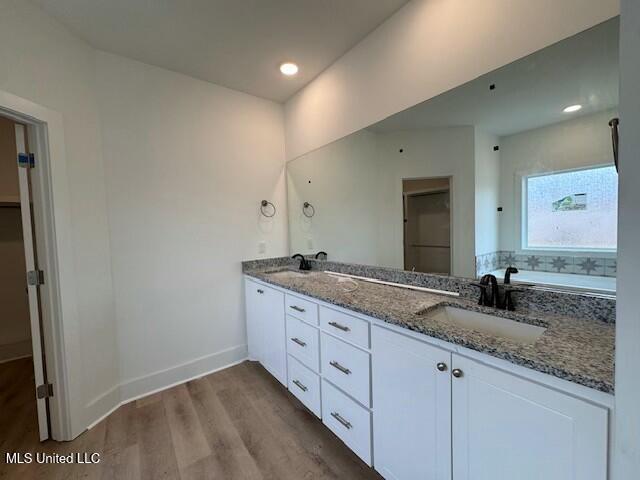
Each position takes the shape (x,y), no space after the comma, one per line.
(574,349)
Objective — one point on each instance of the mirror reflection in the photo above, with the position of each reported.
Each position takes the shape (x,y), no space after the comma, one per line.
(513,169)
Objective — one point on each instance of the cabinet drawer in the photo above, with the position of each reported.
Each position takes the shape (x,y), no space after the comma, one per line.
(348,420)
(345,326)
(305,385)
(303,342)
(301,308)
(347,367)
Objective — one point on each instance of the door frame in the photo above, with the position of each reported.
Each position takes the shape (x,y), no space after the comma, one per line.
(51,220)
(427,191)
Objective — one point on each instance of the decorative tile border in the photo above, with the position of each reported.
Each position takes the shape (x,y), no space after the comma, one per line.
(581,265)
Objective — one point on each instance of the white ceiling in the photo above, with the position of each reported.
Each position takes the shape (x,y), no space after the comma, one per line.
(530,92)
(235,43)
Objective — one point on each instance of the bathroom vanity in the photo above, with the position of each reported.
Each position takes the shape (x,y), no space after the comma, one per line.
(421,385)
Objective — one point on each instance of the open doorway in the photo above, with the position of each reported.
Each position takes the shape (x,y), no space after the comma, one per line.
(23,386)
(427,225)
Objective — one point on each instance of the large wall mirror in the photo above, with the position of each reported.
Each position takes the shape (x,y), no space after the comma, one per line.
(514,168)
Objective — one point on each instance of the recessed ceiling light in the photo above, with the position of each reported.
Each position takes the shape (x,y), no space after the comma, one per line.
(289,68)
(572,108)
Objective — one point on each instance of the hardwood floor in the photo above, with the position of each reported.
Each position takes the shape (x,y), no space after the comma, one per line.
(239,423)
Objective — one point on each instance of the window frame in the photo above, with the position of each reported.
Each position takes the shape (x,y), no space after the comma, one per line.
(524,219)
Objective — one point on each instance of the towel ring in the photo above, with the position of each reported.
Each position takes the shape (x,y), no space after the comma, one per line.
(263,206)
(307,206)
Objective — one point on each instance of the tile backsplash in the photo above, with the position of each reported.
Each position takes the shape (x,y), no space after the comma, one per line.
(577,264)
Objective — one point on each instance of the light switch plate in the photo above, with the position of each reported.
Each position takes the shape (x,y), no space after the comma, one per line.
(309,243)
(262,247)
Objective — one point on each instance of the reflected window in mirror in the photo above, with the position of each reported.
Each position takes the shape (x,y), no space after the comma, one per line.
(571,210)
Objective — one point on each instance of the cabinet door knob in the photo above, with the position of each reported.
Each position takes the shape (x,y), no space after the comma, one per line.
(442,366)
(456,372)
(260,291)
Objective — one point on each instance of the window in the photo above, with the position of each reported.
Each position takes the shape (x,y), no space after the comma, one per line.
(572,210)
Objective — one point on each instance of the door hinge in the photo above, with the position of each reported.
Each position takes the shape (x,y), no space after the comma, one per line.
(26,160)
(44,391)
(35,277)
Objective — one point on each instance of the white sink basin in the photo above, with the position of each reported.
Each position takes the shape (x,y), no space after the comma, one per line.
(284,274)
(489,324)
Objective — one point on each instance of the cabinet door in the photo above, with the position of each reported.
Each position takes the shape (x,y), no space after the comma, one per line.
(411,408)
(273,330)
(506,427)
(266,328)
(253,293)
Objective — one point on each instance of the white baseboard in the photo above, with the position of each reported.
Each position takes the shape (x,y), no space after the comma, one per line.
(102,406)
(15,351)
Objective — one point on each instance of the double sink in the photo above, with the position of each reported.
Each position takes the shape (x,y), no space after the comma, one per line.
(501,327)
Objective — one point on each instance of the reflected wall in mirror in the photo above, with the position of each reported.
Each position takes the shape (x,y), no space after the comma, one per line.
(514,168)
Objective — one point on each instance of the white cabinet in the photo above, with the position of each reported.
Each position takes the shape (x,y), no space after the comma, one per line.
(411,408)
(506,427)
(266,328)
(423,412)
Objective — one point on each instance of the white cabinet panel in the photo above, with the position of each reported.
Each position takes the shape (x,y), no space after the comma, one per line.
(348,420)
(304,384)
(266,328)
(346,367)
(303,342)
(411,407)
(505,427)
(347,327)
(302,309)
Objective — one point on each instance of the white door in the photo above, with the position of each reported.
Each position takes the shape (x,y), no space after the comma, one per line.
(34,303)
(411,408)
(274,336)
(506,427)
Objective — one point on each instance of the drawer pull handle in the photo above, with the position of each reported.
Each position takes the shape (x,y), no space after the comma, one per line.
(299,342)
(340,419)
(297,308)
(299,384)
(335,364)
(339,327)
(260,291)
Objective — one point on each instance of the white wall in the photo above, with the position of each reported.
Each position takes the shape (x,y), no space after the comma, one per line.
(626,454)
(487,192)
(341,181)
(581,142)
(426,48)
(438,152)
(187,164)
(40,61)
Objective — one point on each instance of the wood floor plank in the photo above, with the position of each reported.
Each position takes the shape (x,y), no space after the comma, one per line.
(157,457)
(231,456)
(189,442)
